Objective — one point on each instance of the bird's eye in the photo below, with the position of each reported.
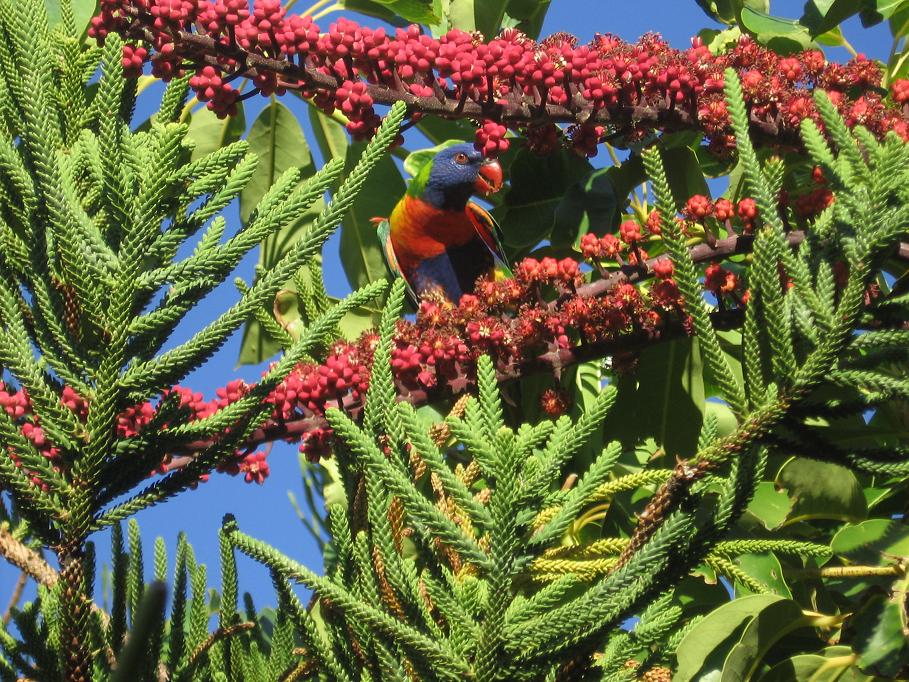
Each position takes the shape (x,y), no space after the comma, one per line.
(461,158)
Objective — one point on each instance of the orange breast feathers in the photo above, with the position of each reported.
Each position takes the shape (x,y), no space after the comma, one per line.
(419,230)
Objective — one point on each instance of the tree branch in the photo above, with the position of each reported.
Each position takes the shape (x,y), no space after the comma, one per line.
(26,559)
(552,361)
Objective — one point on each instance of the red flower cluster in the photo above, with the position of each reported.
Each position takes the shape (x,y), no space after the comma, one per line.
(348,66)
(539,313)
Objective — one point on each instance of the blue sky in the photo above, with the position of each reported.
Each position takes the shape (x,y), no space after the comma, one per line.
(265,511)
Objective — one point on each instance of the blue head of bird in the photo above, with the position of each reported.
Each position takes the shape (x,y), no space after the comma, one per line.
(456,173)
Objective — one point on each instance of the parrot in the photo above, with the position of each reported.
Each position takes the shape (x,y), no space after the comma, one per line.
(436,238)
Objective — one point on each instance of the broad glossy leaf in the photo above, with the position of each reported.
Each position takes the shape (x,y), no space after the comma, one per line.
(807,668)
(726,422)
(768,626)
(528,15)
(880,641)
(527,211)
(587,383)
(821,490)
(781,35)
(361,254)
(415,11)
(591,205)
(821,16)
(354,323)
(333,492)
(719,42)
(278,140)
(698,595)
(899,22)
(662,398)
(684,173)
(766,569)
(373,9)
(795,669)
(726,11)
(488,15)
(210,133)
(875,541)
(440,129)
(83,11)
(834,37)
(875,11)
(704,649)
(769,505)
(330,135)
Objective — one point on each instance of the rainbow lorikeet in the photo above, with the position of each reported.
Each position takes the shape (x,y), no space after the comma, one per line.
(436,238)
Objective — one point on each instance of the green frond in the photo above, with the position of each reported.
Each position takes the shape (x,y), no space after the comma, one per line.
(687,280)
(447,664)
(415,503)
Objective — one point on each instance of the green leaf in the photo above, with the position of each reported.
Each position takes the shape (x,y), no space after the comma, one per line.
(488,15)
(437,130)
(415,11)
(726,422)
(875,541)
(880,642)
(361,253)
(821,16)
(821,490)
(705,646)
(769,505)
(528,15)
(719,42)
(373,9)
(83,11)
(684,173)
(766,569)
(333,491)
(807,668)
(834,37)
(453,14)
(726,11)
(875,11)
(278,140)
(416,160)
(662,398)
(592,202)
(356,322)
(899,22)
(780,35)
(768,626)
(330,135)
(210,133)
(538,183)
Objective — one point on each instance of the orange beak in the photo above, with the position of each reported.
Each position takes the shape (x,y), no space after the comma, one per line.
(489,179)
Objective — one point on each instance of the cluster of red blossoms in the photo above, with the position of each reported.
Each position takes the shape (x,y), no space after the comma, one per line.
(130,423)
(538,313)
(350,67)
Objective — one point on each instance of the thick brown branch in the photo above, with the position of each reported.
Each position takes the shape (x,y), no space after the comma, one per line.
(204,50)
(26,559)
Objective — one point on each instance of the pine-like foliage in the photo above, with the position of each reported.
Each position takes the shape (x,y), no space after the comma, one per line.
(477,546)
(94,215)
(455,552)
